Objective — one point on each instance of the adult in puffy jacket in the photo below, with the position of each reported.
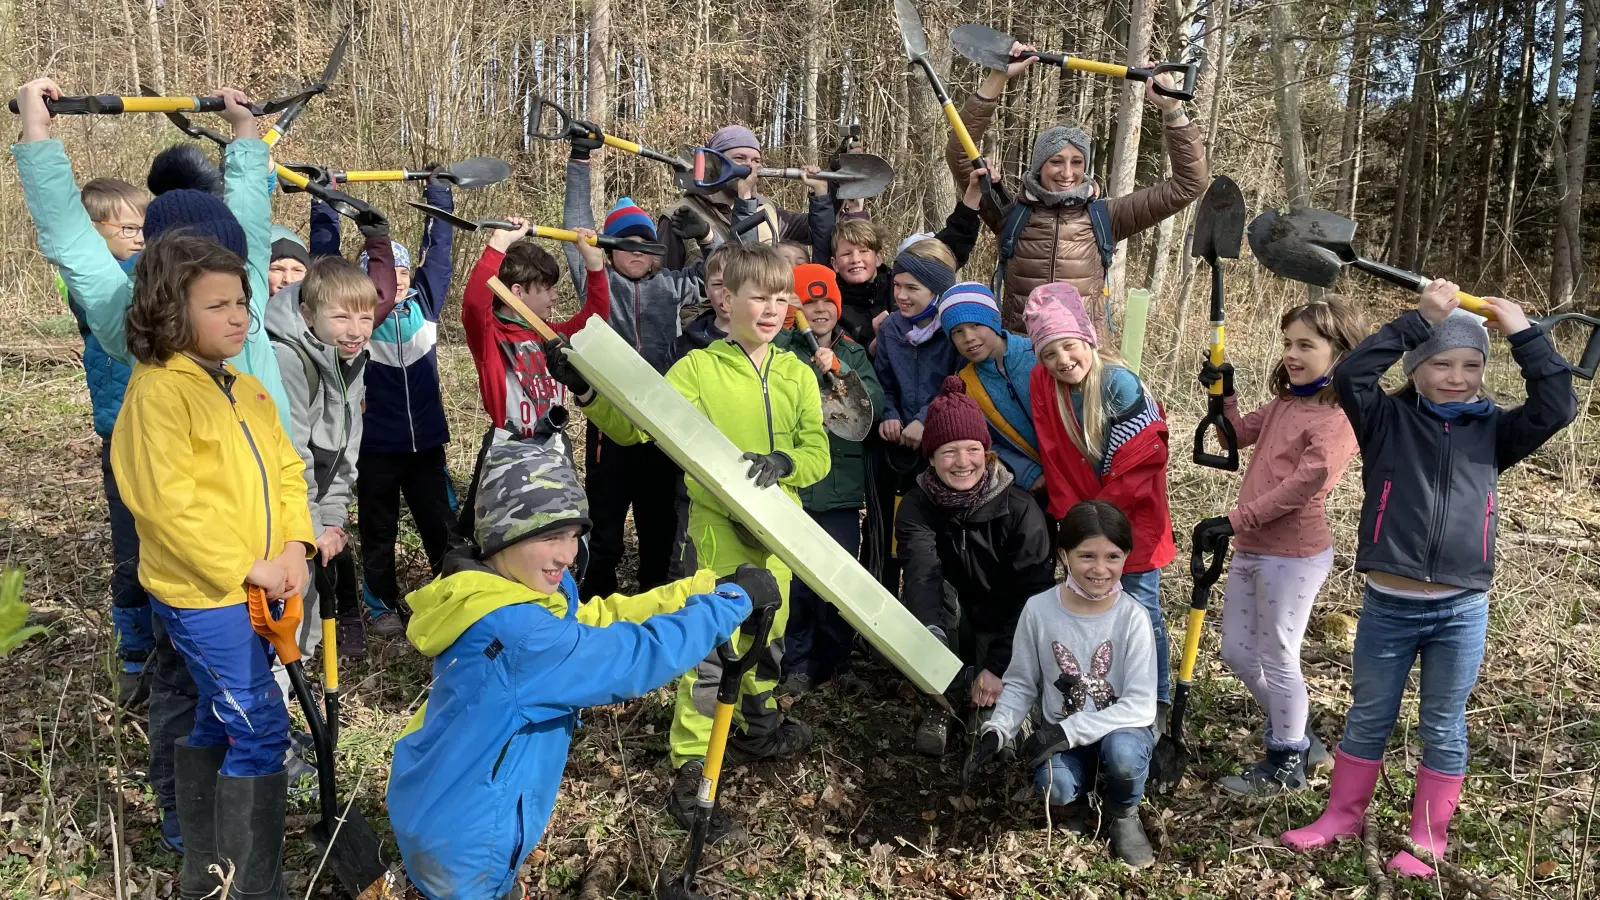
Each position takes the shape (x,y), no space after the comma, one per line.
(1057,242)
(967,524)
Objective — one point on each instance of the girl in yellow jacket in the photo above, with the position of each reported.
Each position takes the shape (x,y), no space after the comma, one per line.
(219,500)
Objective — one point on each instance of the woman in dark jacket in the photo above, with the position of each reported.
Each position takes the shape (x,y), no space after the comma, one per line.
(966,523)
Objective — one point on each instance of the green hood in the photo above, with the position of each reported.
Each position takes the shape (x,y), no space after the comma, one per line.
(450,605)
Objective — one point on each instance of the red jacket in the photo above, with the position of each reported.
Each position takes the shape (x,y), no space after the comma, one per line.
(513,378)
(1136,481)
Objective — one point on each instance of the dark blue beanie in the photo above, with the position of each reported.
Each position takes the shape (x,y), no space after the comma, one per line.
(198,212)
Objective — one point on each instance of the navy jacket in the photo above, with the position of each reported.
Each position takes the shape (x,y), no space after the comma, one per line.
(1431,510)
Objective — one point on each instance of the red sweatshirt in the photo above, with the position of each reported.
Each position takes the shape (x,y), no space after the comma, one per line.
(1136,481)
(513,379)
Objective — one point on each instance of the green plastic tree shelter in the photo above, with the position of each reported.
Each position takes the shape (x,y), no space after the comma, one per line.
(650,403)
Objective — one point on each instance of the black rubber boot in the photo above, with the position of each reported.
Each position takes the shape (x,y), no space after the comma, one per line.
(1281,772)
(1317,756)
(790,737)
(195,785)
(1128,841)
(933,734)
(682,804)
(250,833)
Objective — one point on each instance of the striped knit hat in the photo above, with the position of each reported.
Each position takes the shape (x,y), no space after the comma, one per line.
(969,302)
(626,219)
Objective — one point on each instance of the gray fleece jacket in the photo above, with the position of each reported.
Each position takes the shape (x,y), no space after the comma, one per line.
(644,312)
(327,425)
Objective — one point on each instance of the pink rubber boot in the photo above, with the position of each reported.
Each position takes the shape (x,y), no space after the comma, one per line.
(1349,792)
(1431,809)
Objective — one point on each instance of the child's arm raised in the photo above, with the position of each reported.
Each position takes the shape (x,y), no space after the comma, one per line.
(820,216)
(438,239)
(961,227)
(324,239)
(577,213)
(1551,404)
(596,288)
(1357,376)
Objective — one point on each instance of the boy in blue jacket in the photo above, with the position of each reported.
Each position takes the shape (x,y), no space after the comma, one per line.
(515,657)
(998,364)
(404,431)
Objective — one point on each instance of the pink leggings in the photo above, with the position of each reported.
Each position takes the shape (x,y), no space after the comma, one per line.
(1266,608)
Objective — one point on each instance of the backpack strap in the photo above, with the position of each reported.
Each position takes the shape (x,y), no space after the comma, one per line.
(1100,223)
(313,377)
(1016,220)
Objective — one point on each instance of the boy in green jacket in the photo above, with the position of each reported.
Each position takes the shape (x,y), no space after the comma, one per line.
(765,401)
(819,638)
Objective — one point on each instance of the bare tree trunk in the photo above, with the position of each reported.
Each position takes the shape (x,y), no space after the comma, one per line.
(1180,18)
(600,108)
(813,64)
(1444,194)
(1217,13)
(1355,103)
(1286,95)
(1558,144)
(1411,183)
(1491,150)
(1130,119)
(939,192)
(1514,164)
(157,61)
(133,42)
(1567,269)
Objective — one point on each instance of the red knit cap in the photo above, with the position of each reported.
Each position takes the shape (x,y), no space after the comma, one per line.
(953,416)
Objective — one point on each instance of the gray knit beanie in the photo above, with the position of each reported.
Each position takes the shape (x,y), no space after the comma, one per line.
(1459,329)
(1053,139)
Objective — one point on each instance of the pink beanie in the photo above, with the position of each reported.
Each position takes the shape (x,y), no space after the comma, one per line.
(1055,311)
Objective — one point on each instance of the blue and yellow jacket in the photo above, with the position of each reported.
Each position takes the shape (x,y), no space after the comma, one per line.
(476,771)
(1004,397)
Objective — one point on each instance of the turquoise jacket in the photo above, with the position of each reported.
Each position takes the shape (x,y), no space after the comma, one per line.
(97,281)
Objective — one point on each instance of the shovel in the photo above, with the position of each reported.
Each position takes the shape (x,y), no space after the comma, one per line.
(1218,232)
(113,105)
(846,405)
(1313,245)
(604,242)
(477,172)
(992,50)
(915,40)
(563,127)
(857,176)
(734,667)
(347,842)
(1172,755)
(329,70)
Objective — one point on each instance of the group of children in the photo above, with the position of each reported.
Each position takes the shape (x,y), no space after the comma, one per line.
(264,373)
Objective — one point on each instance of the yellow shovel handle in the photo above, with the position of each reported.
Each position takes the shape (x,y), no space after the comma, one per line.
(1096,67)
(293,177)
(960,128)
(1474,304)
(1217,354)
(721,724)
(157,104)
(1191,644)
(559,234)
(330,658)
(375,175)
(622,144)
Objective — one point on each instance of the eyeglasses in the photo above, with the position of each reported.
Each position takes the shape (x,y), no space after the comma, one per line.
(127,231)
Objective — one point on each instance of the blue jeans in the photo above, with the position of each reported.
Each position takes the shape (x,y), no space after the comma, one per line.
(817,640)
(238,705)
(1145,587)
(1124,757)
(1393,631)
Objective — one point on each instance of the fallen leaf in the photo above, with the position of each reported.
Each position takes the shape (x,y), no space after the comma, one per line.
(930,815)
(1545,869)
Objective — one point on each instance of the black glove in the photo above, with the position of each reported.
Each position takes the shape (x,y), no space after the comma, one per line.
(1045,742)
(982,752)
(767,469)
(760,586)
(938,632)
(435,176)
(688,225)
(1207,531)
(372,223)
(583,145)
(1209,374)
(561,367)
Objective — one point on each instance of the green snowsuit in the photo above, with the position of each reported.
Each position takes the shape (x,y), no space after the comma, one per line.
(773,407)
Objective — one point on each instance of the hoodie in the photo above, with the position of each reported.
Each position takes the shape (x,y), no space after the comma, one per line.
(327,422)
(476,771)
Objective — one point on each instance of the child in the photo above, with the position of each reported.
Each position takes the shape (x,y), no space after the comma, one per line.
(117,210)
(712,325)
(967,527)
(818,637)
(646,310)
(998,367)
(515,658)
(1102,437)
(1084,652)
(1439,444)
(765,401)
(1282,549)
(219,496)
(794,253)
(290,259)
(513,379)
(404,432)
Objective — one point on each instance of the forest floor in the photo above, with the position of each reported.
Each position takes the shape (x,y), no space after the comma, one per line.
(860,814)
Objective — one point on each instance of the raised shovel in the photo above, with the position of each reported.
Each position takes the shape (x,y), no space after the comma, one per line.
(477,172)
(552,122)
(992,50)
(1218,233)
(858,175)
(914,38)
(604,242)
(846,405)
(1313,246)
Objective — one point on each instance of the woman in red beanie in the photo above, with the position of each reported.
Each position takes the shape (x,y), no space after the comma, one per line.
(967,523)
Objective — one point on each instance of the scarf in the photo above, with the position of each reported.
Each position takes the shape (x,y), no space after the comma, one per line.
(1312,389)
(996,478)
(924,325)
(1078,196)
(1449,412)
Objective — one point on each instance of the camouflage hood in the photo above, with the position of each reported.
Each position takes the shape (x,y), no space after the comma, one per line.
(527,488)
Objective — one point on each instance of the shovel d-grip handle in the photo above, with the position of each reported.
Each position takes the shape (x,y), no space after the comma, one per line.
(1216,417)
(1184,91)
(735,665)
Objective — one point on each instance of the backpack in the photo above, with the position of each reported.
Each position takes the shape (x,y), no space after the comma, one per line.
(1099,222)
(313,377)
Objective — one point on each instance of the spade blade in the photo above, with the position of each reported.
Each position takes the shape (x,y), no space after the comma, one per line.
(443,215)
(1307,245)
(983,45)
(872,176)
(912,34)
(1219,221)
(479,171)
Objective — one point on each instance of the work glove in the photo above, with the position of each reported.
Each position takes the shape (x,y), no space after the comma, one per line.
(760,586)
(561,367)
(689,226)
(373,224)
(982,753)
(1209,374)
(435,176)
(583,145)
(938,632)
(1045,742)
(767,469)
(1208,531)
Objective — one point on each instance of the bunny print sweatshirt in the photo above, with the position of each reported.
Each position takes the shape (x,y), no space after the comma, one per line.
(1092,674)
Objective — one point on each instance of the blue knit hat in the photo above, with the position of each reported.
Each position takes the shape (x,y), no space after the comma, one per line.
(198,212)
(626,219)
(969,302)
(402,256)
